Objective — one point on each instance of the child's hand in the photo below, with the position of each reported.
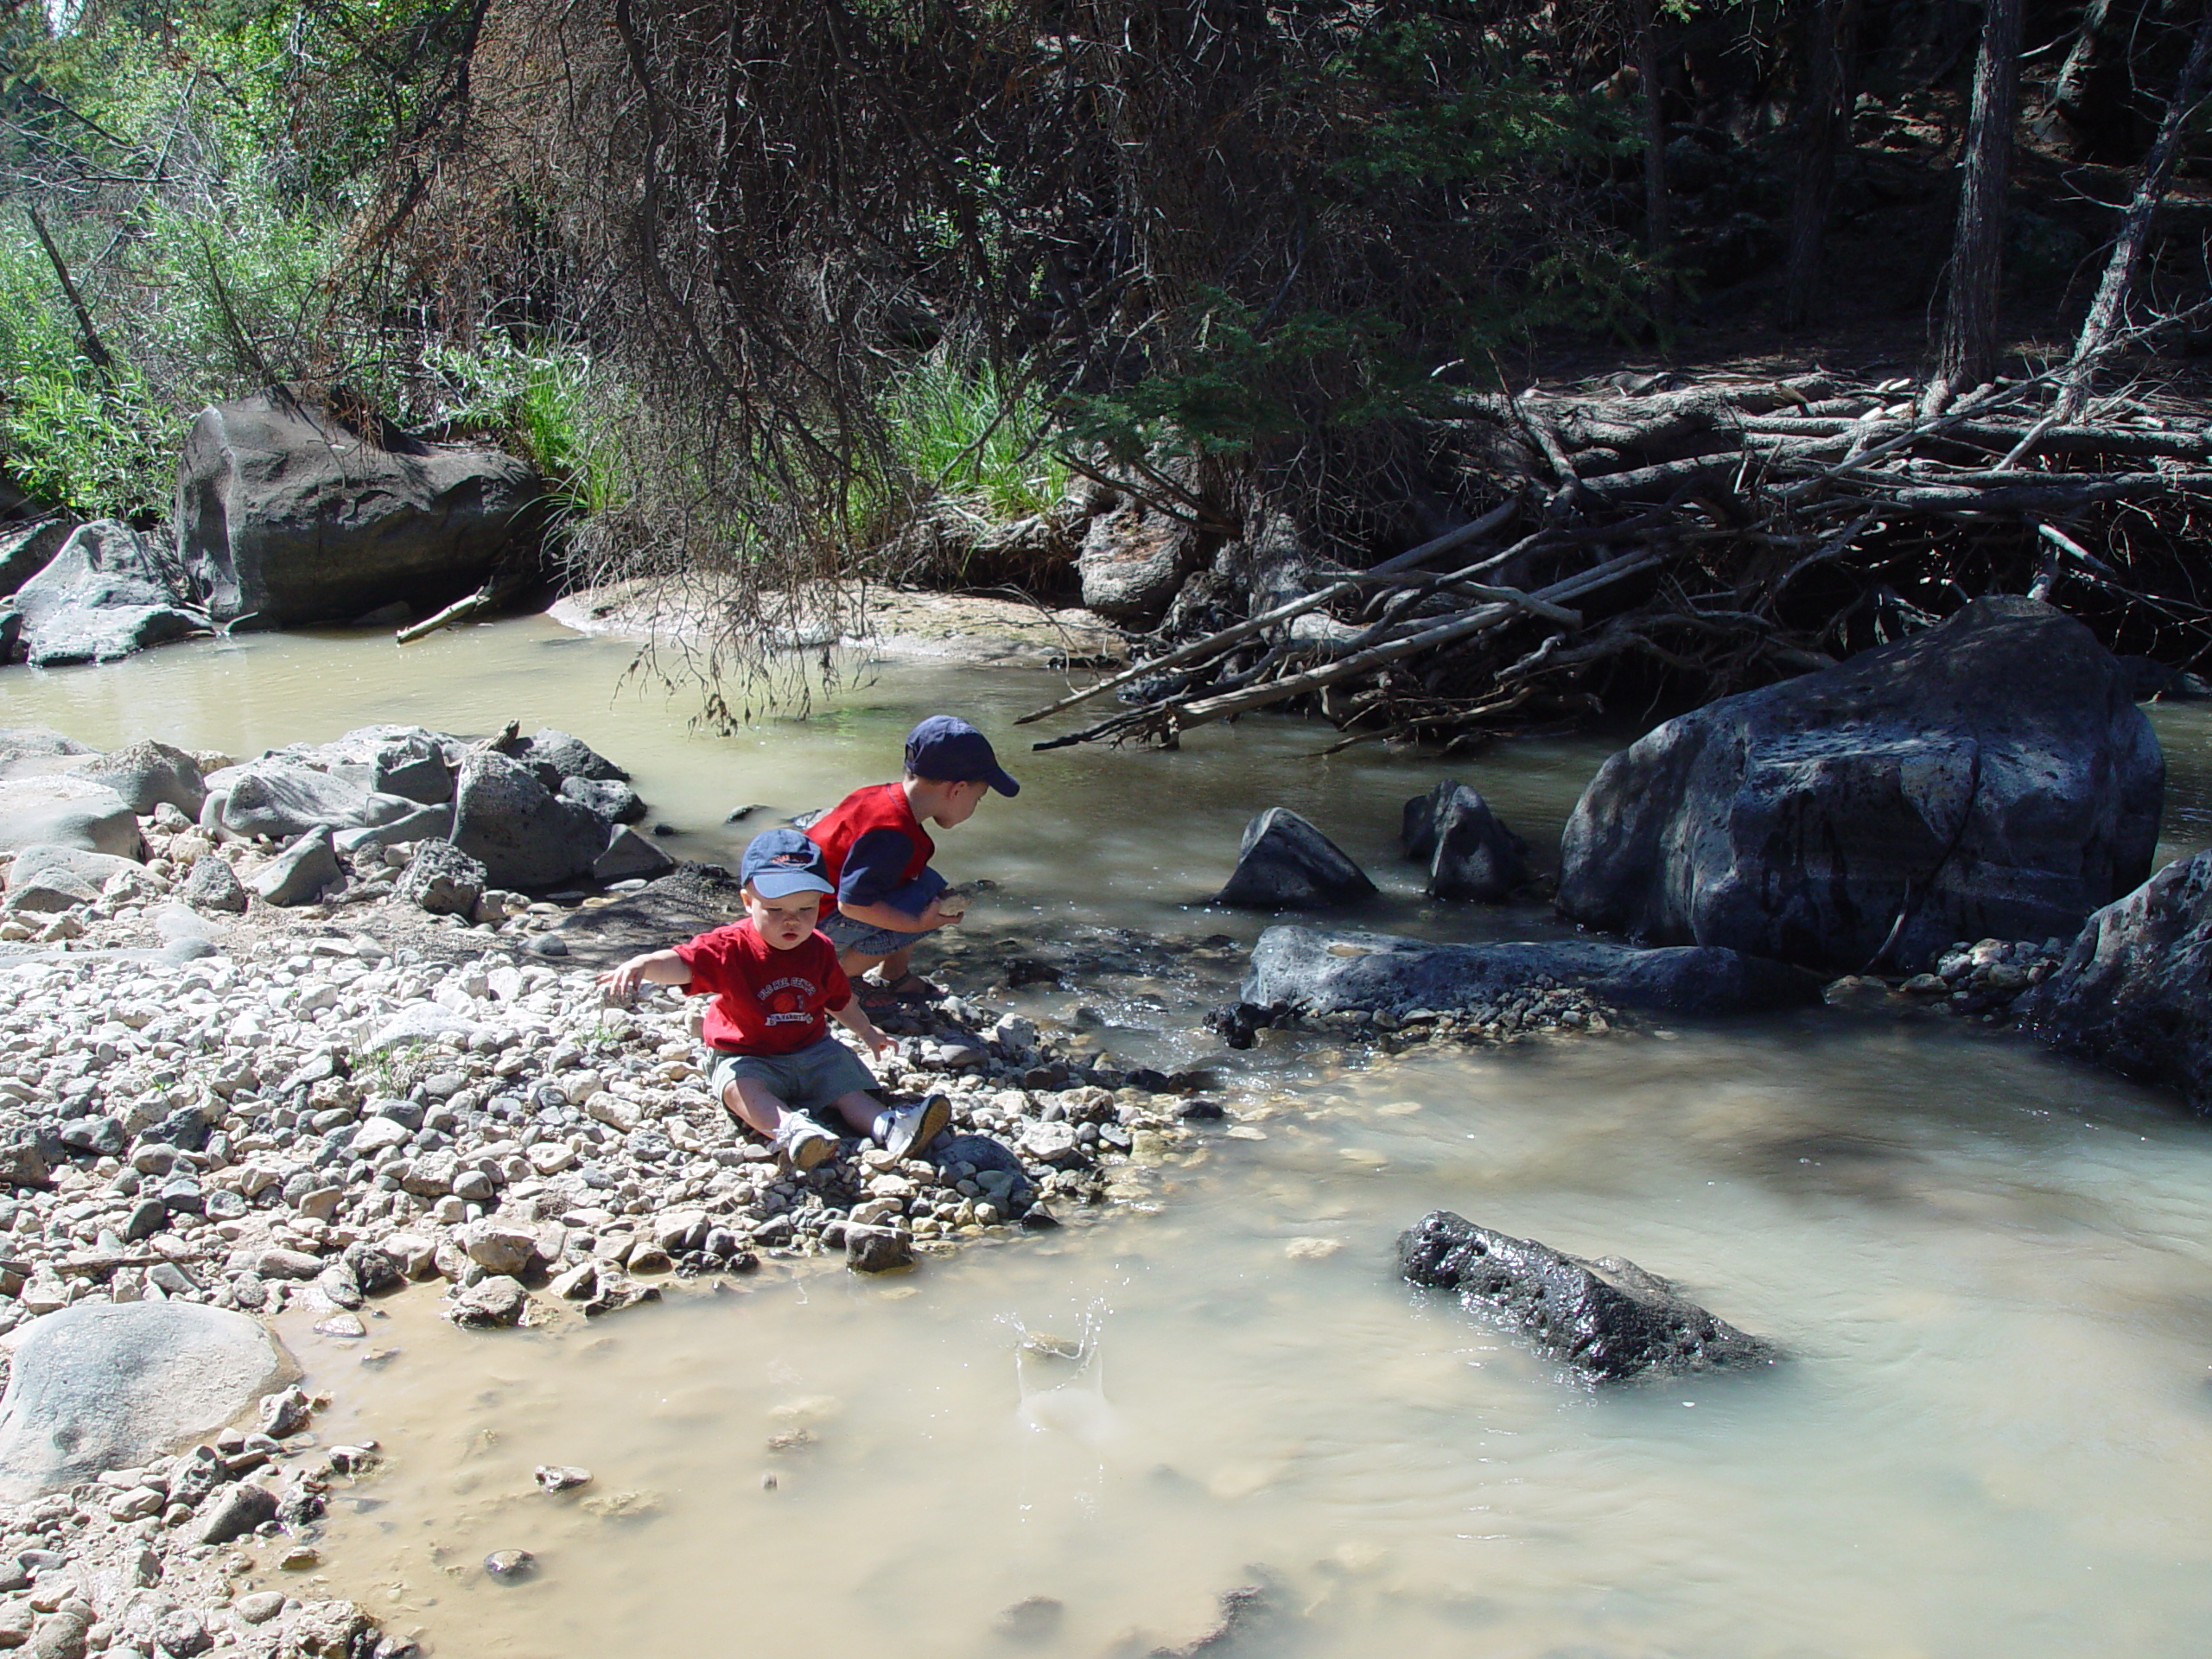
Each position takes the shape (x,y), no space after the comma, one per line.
(939,916)
(877,1043)
(622,983)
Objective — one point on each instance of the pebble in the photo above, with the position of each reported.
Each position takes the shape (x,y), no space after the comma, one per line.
(511,1565)
(560,1478)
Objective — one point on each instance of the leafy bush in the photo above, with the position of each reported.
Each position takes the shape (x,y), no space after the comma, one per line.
(973,435)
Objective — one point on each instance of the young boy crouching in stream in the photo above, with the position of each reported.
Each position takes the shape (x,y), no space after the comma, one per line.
(773,977)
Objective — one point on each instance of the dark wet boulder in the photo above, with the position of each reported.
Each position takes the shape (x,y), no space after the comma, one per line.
(26,550)
(146,774)
(630,857)
(522,834)
(1608,1318)
(616,803)
(1315,970)
(1285,863)
(295,509)
(1991,776)
(555,756)
(108,591)
(2131,993)
(1469,853)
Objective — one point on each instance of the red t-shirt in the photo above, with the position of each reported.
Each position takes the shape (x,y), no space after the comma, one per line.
(766,1001)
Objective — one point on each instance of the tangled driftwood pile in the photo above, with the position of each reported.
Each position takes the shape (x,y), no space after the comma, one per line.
(1724,533)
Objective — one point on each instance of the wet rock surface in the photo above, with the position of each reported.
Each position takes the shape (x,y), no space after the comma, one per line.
(1284,863)
(1469,853)
(1991,776)
(2131,992)
(1315,971)
(1609,1319)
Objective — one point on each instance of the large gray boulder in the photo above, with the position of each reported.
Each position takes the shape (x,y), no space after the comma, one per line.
(65,811)
(115,1385)
(1132,561)
(1469,853)
(213,884)
(522,834)
(50,879)
(281,798)
(1284,863)
(1990,778)
(1608,1318)
(26,550)
(629,857)
(616,803)
(2131,994)
(1315,970)
(37,752)
(107,592)
(406,760)
(146,774)
(289,510)
(555,756)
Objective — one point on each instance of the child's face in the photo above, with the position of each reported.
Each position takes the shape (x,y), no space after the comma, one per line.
(786,922)
(961,801)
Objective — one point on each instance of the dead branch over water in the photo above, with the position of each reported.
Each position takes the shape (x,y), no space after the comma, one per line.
(1724,533)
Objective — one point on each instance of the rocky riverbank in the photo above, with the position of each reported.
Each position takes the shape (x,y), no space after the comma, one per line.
(222,1090)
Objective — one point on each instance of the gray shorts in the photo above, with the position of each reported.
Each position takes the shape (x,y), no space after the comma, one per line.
(849,935)
(808,1081)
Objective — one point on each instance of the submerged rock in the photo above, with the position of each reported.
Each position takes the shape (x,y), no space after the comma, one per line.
(2131,993)
(1469,853)
(1316,970)
(112,1385)
(1285,863)
(1608,1318)
(1992,776)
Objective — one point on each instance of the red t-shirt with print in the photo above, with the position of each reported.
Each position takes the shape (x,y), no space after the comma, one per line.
(766,1001)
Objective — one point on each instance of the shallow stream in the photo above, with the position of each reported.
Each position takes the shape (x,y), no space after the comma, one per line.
(1994,1271)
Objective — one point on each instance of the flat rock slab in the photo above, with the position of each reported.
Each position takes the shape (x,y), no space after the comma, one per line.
(1319,970)
(1608,1318)
(114,1385)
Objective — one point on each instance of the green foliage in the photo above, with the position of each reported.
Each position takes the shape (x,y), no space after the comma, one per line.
(974,435)
(550,403)
(198,173)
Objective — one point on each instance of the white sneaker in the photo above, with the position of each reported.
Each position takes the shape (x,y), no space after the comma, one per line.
(802,1143)
(908,1129)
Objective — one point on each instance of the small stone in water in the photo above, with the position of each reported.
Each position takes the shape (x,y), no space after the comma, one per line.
(768,1482)
(557,1477)
(510,1564)
(300,1558)
(341,1324)
(1029,1620)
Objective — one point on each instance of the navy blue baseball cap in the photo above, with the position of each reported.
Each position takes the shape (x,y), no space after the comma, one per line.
(952,751)
(779,862)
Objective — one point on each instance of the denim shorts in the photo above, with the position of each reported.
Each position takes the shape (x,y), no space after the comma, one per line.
(807,1081)
(849,936)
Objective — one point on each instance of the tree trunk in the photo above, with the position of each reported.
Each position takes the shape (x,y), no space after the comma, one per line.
(1968,353)
(1645,22)
(1832,37)
(2110,305)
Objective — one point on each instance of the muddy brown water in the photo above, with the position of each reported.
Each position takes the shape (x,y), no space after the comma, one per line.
(1993,1271)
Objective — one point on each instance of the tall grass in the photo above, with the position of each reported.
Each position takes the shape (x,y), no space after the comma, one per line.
(972,435)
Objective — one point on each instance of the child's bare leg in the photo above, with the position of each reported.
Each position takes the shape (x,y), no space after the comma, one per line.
(858,1109)
(751,1101)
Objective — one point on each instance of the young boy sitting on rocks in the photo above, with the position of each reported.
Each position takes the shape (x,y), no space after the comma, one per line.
(773,977)
(875,851)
